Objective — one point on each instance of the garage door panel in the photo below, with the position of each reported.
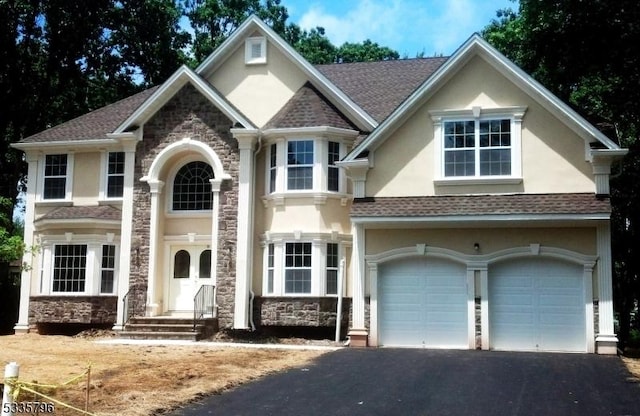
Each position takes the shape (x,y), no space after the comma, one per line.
(423,302)
(537,304)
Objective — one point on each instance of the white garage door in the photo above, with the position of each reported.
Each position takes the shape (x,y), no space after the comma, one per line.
(537,305)
(423,303)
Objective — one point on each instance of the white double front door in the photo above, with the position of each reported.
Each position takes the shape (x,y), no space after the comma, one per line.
(190,269)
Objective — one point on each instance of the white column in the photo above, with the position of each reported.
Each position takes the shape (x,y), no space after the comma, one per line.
(153,308)
(246,145)
(126,230)
(484,307)
(358,331)
(606,340)
(22,326)
(373,305)
(215,206)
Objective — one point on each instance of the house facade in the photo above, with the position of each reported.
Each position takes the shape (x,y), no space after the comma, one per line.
(440,202)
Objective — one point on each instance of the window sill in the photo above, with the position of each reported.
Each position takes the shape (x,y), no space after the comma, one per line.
(188,214)
(477,181)
(319,198)
(114,201)
(54,203)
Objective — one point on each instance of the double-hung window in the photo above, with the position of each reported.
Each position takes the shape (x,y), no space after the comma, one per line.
(69,268)
(300,165)
(332,269)
(333,172)
(107,273)
(477,148)
(297,270)
(273,167)
(55,177)
(115,174)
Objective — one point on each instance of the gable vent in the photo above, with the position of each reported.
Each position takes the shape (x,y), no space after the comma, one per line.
(255,50)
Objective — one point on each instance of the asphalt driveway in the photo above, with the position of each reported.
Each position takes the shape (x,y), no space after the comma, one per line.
(433,382)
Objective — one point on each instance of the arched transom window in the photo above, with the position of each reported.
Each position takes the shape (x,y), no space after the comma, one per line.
(191,187)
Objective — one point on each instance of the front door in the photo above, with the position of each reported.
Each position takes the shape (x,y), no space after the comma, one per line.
(190,269)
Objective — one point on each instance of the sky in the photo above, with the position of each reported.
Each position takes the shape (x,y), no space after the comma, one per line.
(407,26)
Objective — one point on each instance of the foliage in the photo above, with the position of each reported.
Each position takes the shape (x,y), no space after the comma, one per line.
(364,52)
(586,53)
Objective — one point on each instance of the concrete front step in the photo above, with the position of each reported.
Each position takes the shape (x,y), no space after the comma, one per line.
(161,327)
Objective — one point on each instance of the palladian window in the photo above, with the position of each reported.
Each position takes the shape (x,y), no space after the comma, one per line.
(192,187)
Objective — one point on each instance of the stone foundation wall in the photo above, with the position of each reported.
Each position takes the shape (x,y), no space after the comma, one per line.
(73,309)
(188,114)
(287,311)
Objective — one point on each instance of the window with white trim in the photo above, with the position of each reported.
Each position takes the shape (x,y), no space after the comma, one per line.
(332,269)
(69,268)
(333,172)
(297,268)
(115,174)
(55,177)
(192,187)
(300,164)
(108,270)
(270,268)
(255,50)
(273,167)
(478,145)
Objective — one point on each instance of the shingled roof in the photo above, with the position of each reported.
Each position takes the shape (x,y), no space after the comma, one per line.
(99,212)
(380,87)
(461,205)
(94,125)
(309,108)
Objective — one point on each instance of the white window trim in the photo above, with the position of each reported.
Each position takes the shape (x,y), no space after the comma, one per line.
(168,200)
(336,268)
(249,43)
(320,191)
(515,114)
(93,266)
(318,264)
(68,180)
(104,176)
(114,290)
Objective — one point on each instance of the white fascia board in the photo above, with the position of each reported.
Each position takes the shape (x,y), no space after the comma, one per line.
(361,118)
(45,224)
(538,91)
(306,131)
(72,144)
(480,218)
(163,94)
(477,45)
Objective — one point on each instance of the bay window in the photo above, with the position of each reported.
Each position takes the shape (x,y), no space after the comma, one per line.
(300,164)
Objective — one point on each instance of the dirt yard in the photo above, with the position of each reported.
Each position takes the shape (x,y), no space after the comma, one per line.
(139,380)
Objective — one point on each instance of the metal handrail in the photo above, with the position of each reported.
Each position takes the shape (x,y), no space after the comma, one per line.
(130,303)
(203,302)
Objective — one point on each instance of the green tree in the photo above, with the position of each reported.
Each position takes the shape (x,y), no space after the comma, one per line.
(364,52)
(214,20)
(313,45)
(586,53)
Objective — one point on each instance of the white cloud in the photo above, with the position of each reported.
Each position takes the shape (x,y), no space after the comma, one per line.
(409,26)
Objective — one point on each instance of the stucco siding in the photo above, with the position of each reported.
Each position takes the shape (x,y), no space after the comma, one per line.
(258,91)
(405,164)
(86,178)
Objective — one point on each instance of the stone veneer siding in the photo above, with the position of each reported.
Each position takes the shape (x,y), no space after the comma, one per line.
(73,309)
(189,114)
(291,311)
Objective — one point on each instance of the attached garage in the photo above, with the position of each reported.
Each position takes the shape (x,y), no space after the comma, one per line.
(537,304)
(422,302)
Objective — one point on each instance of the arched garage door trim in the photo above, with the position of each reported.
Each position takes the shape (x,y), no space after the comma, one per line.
(536,251)
(480,263)
(420,250)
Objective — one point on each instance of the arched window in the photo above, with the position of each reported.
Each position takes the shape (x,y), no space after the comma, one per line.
(205,264)
(191,187)
(181,265)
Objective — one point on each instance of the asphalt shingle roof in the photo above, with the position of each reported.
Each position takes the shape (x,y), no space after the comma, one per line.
(460,205)
(94,125)
(309,108)
(98,212)
(380,87)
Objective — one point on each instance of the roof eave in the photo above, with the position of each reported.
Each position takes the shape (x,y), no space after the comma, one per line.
(168,89)
(360,117)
